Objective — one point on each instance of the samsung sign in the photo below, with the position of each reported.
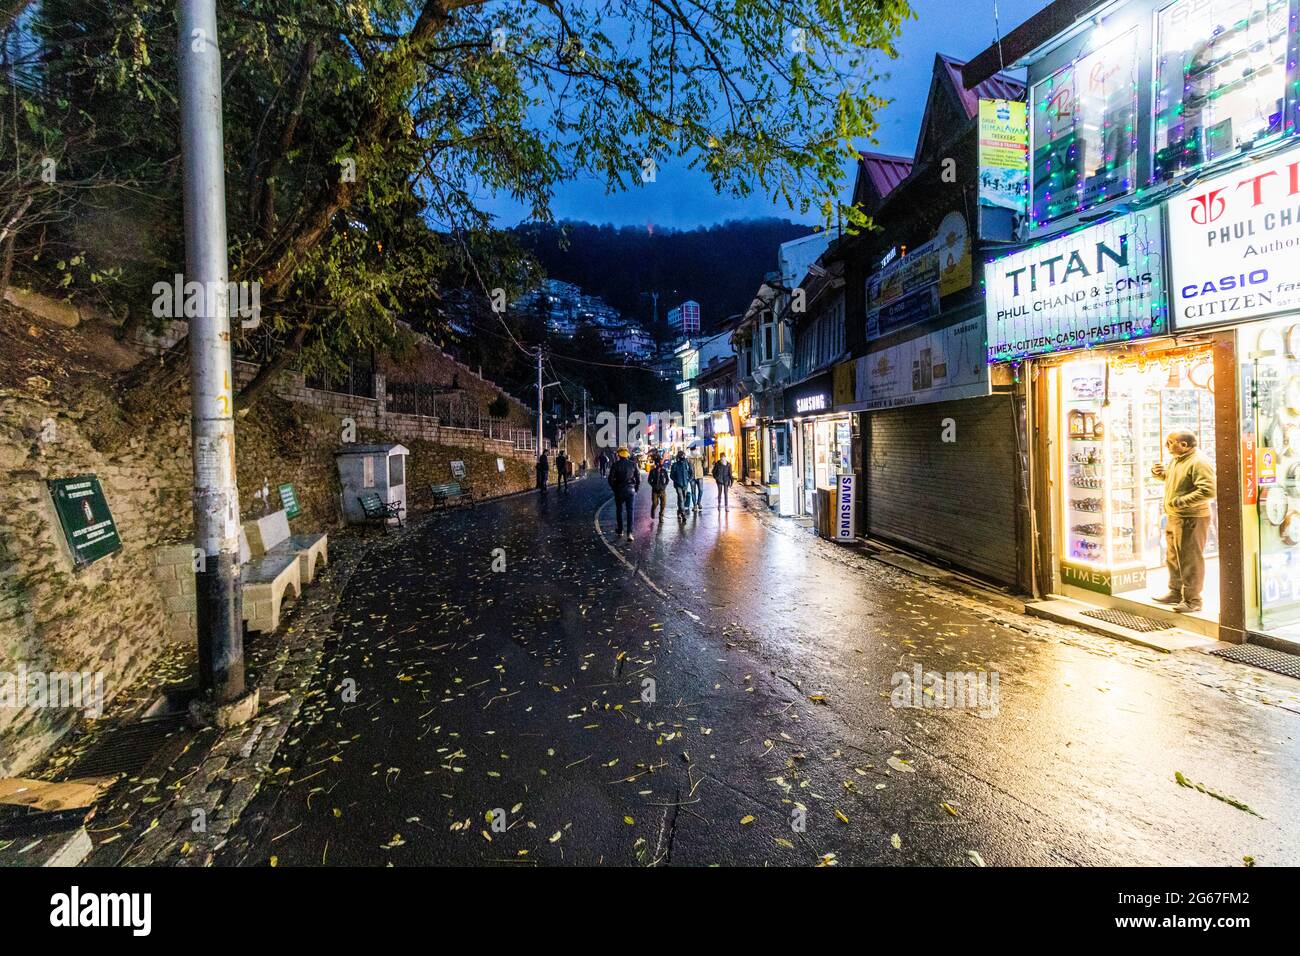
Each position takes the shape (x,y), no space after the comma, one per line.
(811,403)
(1099,285)
(1234,242)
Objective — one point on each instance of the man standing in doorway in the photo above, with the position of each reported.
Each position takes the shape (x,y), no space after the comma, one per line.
(1189,489)
(722,475)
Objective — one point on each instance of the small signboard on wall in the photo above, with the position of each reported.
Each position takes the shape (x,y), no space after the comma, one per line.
(289,501)
(458,470)
(88,526)
(501,465)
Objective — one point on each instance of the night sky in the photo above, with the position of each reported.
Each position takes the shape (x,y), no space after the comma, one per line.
(683,199)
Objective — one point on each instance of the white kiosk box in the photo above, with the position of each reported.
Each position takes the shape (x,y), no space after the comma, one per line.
(371,469)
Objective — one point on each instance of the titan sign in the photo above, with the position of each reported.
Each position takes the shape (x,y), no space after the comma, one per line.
(1099,285)
(1234,242)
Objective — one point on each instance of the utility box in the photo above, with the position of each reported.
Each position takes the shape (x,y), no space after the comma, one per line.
(372,469)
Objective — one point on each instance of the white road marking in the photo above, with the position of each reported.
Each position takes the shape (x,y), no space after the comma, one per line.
(618,554)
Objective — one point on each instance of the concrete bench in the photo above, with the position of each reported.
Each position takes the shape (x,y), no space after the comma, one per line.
(270,534)
(451,493)
(265,580)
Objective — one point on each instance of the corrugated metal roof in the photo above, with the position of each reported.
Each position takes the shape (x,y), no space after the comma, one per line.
(999,86)
(885,171)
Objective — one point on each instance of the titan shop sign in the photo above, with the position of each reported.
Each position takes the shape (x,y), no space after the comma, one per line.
(1234,245)
(1096,286)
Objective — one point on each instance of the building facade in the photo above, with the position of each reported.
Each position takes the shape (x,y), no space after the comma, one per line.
(1154,290)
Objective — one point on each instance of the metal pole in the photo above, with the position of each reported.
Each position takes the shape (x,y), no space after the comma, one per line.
(539,400)
(585,456)
(216,498)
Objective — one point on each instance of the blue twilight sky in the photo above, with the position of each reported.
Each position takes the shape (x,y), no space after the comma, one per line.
(683,199)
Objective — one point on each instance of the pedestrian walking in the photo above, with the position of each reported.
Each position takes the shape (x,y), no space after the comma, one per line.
(603,462)
(1189,488)
(563,470)
(722,475)
(658,480)
(624,481)
(697,480)
(681,475)
(543,472)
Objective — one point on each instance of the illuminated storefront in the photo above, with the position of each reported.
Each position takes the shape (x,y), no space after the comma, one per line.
(1235,264)
(823,438)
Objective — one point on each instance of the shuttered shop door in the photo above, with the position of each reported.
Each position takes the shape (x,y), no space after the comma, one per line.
(954,501)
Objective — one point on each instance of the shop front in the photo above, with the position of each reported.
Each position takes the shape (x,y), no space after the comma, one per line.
(939,450)
(1084,321)
(1235,273)
(822,439)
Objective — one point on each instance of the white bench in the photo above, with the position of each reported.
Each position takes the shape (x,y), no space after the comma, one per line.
(270,535)
(264,580)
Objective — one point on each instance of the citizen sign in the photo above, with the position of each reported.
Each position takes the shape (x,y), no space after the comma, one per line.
(1234,243)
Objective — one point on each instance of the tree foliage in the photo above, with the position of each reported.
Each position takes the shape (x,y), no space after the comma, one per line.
(363,137)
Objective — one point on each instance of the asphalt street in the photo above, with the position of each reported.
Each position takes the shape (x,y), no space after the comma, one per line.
(509,685)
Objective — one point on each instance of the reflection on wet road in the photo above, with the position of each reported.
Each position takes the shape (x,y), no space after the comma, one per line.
(736,691)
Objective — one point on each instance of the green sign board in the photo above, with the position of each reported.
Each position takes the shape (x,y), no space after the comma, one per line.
(289,501)
(83,512)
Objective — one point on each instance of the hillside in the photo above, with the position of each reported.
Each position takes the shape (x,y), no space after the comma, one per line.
(719,266)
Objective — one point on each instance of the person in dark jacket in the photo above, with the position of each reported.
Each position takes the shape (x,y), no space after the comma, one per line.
(681,475)
(624,481)
(543,471)
(722,475)
(658,481)
(563,470)
(603,462)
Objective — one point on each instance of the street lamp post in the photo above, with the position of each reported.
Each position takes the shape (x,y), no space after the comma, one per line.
(215,496)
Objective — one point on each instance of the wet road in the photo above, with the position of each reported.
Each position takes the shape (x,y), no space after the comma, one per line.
(725,690)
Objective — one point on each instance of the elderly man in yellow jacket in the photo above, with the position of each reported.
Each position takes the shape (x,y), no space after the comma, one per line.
(1189,489)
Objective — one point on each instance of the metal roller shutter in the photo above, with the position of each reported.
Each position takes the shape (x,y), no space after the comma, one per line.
(954,501)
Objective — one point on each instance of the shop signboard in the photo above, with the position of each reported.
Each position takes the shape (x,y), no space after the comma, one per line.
(1099,285)
(845,508)
(940,366)
(811,397)
(1003,168)
(1234,245)
(907,290)
(87,524)
(786,486)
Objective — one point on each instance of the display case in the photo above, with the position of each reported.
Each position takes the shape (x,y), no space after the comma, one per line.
(1102,507)
(1115,417)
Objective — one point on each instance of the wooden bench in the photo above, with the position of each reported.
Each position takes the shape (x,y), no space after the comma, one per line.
(380,511)
(265,580)
(450,493)
(270,534)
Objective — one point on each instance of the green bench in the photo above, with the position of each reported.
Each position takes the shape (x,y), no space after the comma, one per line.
(379,511)
(452,492)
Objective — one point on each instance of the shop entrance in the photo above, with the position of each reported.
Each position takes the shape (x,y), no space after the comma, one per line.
(1271,402)
(827,452)
(1110,416)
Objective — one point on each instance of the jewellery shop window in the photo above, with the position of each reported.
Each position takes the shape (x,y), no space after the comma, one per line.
(1276,411)
(1115,415)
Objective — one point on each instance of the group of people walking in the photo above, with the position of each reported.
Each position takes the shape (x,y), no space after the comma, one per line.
(685,474)
(563,471)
